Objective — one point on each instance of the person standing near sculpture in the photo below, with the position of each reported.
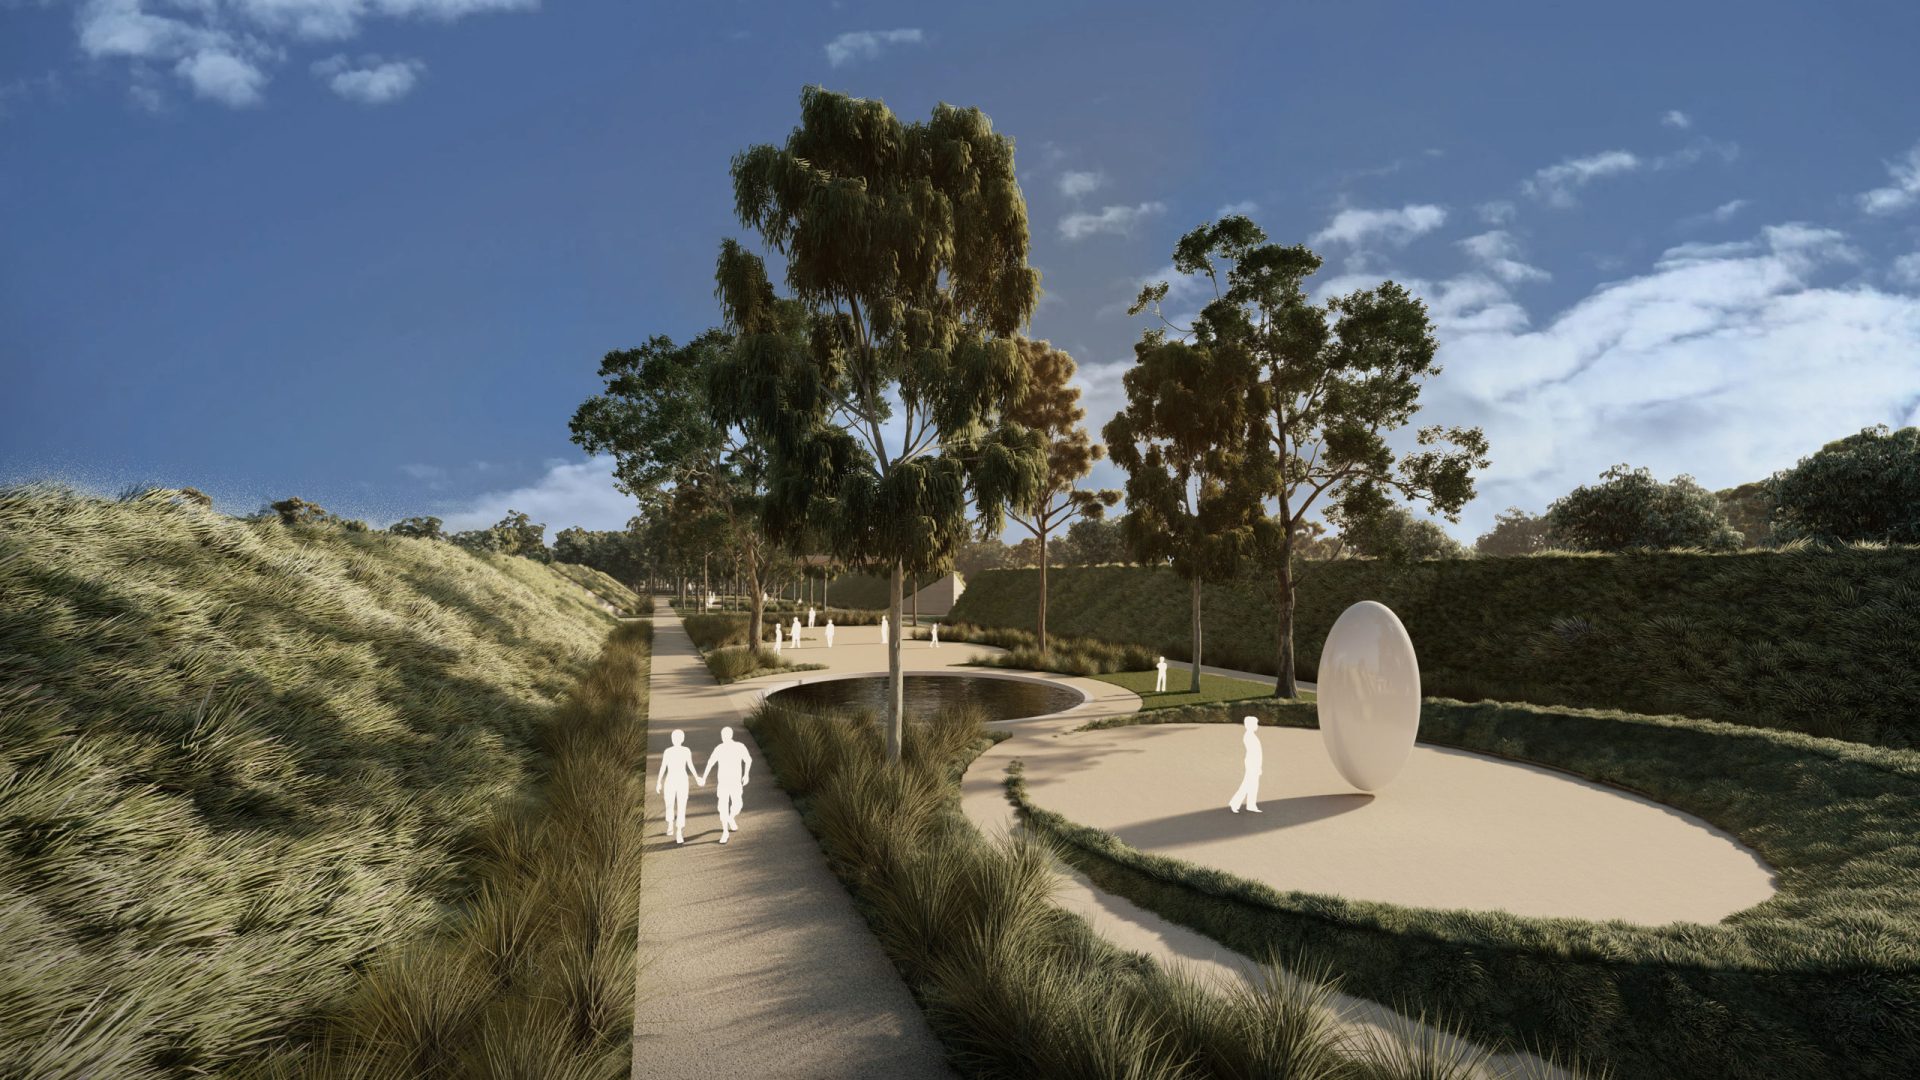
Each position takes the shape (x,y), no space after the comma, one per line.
(1160,676)
(829,633)
(1249,793)
(676,768)
(733,761)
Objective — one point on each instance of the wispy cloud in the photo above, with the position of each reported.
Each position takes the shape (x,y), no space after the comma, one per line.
(1244,208)
(1902,193)
(1674,118)
(1395,227)
(371,80)
(1499,254)
(1074,184)
(1906,269)
(1497,211)
(225,51)
(1719,215)
(869,44)
(1555,184)
(1117,220)
(424,472)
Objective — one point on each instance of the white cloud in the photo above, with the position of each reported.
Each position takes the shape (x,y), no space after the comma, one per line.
(1118,220)
(1725,212)
(1906,269)
(1674,118)
(868,44)
(1726,361)
(224,50)
(372,81)
(1396,227)
(570,493)
(1555,184)
(1500,255)
(223,77)
(1497,211)
(1244,208)
(1076,184)
(1902,193)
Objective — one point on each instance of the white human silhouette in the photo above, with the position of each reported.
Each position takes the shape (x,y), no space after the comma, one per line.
(829,633)
(936,635)
(776,639)
(883,629)
(795,635)
(809,616)
(1160,676)
(734,762)
(676,767)
(1249,792)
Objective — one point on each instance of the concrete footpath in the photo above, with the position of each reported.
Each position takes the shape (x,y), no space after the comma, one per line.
(753,962)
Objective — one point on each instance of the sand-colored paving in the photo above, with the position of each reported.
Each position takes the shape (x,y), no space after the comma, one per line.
(1455,830)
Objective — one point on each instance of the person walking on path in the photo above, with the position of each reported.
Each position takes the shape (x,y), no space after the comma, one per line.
(676,767)
(829,633)
(1249,792)
(733,762)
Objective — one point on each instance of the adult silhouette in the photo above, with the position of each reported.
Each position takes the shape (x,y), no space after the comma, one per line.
(733,761)
(809,616)
(883,629)
(794,636)
(1160,676)
(936,635)
(1249,792)
(676,768)
(829,633)
(776,639)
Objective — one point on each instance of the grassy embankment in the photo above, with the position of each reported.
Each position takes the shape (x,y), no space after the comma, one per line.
(623,600)
(1821,980)
(255,774)
(1822,642)
(1015,986)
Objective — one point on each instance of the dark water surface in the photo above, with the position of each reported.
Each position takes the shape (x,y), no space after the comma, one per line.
(926,695)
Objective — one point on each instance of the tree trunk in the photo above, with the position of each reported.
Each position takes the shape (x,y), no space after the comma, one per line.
(756,608)
(1284,685)
(1194,684)
(1040,625)
(896,682)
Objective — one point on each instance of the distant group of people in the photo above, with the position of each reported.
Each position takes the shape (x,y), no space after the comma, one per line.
(676,776)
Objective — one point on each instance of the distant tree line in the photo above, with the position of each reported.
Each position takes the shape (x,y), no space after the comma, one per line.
(1864,488)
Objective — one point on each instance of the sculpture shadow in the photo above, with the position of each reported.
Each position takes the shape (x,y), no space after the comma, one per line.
(1218,823)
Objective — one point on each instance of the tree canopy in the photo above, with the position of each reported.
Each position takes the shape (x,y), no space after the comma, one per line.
(884,406)
(1863,487)
(1630,510)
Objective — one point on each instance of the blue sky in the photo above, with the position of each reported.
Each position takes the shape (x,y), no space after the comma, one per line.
(369,252)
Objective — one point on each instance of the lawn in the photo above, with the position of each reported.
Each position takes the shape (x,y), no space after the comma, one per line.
(1212,688)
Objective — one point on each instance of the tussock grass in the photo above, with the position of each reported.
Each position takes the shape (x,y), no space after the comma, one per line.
(603,585)
(1821,980)
(1063,654)
(1824,641)
(721,638)
(1015,986)
(237,760)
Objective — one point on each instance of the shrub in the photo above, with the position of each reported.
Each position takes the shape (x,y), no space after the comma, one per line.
(1864,487)
(1796,986)
(1630,510)
(1066,655)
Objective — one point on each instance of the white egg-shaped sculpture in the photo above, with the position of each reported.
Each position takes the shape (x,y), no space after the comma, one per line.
(1369,695)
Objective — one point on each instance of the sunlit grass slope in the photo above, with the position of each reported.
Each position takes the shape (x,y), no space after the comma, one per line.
(235,759)
(1821,642)
(604,586)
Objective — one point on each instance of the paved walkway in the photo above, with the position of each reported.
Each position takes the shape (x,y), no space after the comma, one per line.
(753,960)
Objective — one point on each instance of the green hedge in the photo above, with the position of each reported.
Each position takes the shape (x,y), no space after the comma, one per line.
(1821,980)
(1822,642)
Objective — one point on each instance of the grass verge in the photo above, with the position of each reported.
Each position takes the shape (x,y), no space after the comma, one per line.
(1821,980)
(1065,655)
(1013,985)
(534,975)
(1213,688)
